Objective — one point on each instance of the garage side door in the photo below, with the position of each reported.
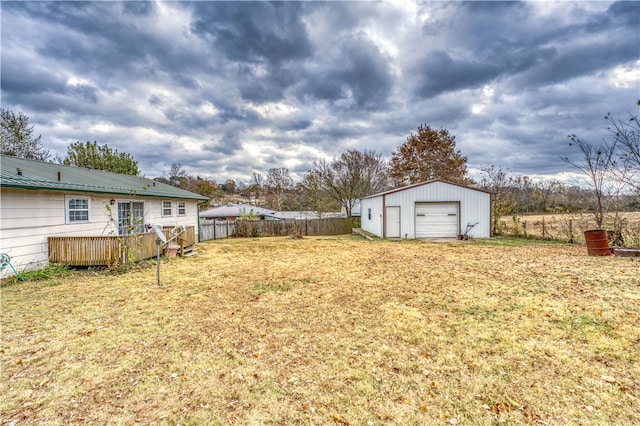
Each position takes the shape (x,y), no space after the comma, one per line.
(436,220)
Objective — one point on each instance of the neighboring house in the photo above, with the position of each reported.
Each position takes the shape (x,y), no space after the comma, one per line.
(39,200)
(433,209)
(306,215)
(233,211)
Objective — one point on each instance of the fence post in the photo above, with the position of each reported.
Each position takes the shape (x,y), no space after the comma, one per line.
(214,229)
(543,229)
(571,230)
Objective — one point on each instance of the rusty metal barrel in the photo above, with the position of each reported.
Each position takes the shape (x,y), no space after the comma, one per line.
(597,242)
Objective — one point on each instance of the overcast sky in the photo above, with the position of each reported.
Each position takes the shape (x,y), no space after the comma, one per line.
(231,88)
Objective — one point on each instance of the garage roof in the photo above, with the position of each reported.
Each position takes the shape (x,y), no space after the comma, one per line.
(427,183)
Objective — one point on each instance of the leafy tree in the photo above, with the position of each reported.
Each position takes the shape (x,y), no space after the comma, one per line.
(278,183)
(352,176)
(229,186)
(203,186)
(17,137)
(429,154)
(100,157)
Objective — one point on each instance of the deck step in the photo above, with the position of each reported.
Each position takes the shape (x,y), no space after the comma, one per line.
(191,254)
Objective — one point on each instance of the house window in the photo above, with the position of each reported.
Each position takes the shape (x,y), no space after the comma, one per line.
(182,208)
(166,208)
(77,210)
(130,217)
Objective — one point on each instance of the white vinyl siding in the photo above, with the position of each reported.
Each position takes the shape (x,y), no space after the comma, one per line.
(436,220)
(30,216)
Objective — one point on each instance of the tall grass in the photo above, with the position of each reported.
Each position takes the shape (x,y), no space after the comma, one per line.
(569,227)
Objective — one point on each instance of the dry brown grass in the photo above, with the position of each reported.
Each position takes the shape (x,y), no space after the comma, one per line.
(331,331)
(570,227)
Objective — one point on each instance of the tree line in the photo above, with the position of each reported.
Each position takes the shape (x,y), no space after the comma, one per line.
(611,172)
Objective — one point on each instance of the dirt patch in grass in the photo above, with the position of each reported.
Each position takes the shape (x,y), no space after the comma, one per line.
(331,331)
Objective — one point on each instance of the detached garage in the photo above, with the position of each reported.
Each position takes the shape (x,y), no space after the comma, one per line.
(433,209)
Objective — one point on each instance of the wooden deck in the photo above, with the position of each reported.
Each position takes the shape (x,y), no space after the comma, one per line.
(111,250)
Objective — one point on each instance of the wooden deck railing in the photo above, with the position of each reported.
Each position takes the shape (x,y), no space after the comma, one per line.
(112,250)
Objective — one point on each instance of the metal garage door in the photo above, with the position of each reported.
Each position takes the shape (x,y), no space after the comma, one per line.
(436,220)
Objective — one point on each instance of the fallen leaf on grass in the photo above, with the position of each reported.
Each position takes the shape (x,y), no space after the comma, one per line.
(496,409)
(339,419)
(609,379)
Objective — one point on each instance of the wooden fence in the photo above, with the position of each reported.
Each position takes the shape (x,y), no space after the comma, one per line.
(219,229)
(111,250)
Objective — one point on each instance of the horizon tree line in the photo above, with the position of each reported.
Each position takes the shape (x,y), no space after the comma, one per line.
(610,168)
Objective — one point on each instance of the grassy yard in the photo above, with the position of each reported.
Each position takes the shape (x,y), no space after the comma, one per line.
(331,331)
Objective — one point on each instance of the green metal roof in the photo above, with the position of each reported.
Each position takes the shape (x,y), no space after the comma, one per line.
(30,174)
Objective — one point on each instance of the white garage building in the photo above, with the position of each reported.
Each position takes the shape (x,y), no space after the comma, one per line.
(433,209)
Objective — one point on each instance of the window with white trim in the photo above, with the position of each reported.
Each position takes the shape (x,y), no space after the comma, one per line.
(166,208)
(182,208)
(130,217)
(77,209)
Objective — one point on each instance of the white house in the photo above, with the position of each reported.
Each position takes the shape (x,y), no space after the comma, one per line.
(39,200)
(433,209)
(232,211)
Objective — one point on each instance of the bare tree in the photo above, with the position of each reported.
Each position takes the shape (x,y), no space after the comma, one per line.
(523,190)
(548,189)
(352,176)
(256,184)
(626,141)
(496,180)
(595,163)
(278,183)
(314,195)
(176,176)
